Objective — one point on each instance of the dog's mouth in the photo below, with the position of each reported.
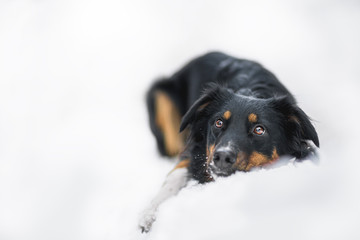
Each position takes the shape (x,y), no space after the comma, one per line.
(220,172)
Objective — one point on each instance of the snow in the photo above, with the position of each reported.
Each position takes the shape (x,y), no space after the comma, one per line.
(78,161)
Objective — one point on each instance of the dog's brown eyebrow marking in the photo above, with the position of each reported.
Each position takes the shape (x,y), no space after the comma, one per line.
(252,117)
(227,115)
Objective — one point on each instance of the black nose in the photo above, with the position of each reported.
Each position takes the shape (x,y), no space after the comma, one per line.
(224,159)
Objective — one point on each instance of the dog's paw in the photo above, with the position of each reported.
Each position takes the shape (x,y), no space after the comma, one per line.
(147,218)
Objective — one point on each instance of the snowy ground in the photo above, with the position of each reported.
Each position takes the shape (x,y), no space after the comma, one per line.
(77,160)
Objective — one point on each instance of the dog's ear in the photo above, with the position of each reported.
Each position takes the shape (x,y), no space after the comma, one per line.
(297,126)
(211,94)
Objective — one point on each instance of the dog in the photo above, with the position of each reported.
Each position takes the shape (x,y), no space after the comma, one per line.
(220,115)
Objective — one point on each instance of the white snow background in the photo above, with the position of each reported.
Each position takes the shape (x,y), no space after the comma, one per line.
(78,161)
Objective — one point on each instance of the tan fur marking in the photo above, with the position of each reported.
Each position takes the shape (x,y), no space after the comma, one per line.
(227,115)
(168,119)
(294,119)
(240,163)
(257,159)
(201,107)
(252,117)
(209,153)
(182,164)
(274,155)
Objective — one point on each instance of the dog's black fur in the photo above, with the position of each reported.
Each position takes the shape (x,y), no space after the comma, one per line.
(240,117)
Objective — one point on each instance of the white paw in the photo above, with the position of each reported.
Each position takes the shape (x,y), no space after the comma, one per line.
(146,220)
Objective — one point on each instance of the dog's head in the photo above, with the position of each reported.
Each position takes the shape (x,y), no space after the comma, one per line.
(240,132)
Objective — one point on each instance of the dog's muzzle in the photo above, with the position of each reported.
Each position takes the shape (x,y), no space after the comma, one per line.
(223,161)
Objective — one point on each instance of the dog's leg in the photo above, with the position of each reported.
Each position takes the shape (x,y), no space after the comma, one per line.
(164,106)
(174,182)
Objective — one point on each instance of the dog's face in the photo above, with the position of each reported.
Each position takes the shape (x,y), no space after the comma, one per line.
(240,132)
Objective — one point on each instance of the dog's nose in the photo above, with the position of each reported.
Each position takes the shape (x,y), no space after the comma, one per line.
(224,159)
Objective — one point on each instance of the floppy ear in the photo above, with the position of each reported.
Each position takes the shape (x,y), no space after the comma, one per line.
(297,126)
(210,95)
(307,130)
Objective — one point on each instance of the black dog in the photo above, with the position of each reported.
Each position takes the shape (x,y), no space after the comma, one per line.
(240,117)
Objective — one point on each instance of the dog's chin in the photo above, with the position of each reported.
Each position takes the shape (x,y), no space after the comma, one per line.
(221,172)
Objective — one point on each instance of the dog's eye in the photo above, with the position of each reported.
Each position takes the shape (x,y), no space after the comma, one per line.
(259,130)
(219,123)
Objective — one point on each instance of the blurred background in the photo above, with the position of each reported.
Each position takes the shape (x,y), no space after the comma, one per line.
(78,161)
